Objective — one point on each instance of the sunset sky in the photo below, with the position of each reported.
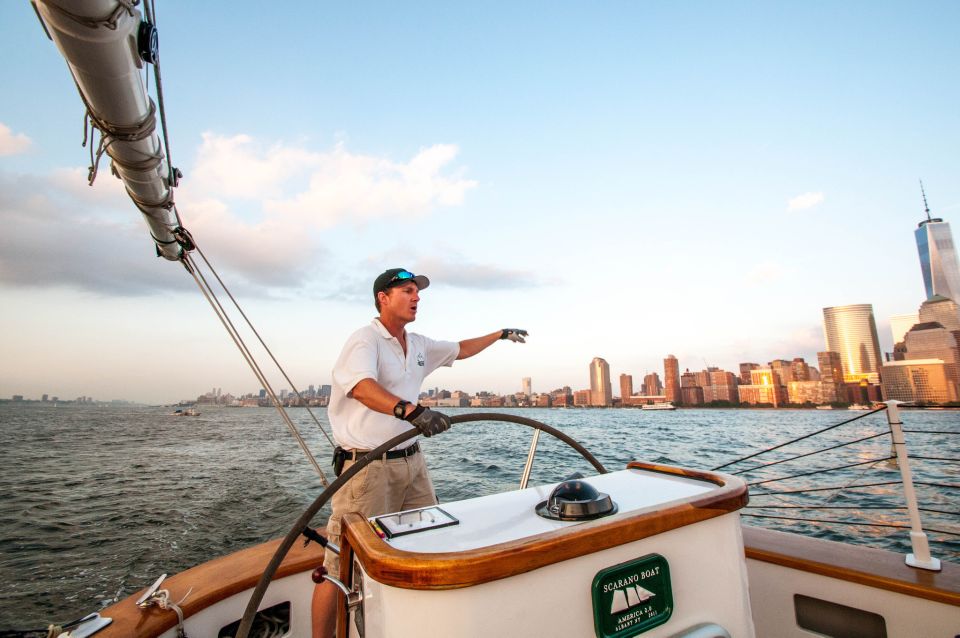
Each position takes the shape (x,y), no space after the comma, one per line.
(622,179)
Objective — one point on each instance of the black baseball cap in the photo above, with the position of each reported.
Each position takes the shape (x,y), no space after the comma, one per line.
(395,277)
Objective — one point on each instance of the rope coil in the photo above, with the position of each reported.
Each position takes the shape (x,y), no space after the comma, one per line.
(110,133)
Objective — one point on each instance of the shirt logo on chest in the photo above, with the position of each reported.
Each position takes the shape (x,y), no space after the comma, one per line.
(420,359)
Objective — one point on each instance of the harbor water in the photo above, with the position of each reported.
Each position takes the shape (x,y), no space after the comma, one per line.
(99,501)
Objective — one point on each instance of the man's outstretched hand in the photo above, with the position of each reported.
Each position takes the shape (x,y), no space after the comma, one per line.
(428,421)
(514,334)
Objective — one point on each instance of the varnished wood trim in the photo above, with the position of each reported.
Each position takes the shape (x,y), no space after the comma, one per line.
(452,570)
(212,582)
(700,475)
(853,563)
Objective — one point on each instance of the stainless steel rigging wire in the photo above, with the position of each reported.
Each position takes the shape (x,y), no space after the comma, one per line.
(214,302)
(263,343)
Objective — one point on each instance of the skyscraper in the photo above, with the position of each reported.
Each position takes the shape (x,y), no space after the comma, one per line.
(938,257)
(918,380)
(527,385)
(626,387)
(831,375)
(671,378)
(601,391)
(652,385)
(745,369)
(931,340)
(944,311)
(900,324)
(851,331)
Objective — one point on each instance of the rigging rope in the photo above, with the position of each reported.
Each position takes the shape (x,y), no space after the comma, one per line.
(161,598)
(800,456)
(841,487)
(831,469)
(109,133)
(806,436)
(827,507)
(211,298)
(109,21)
(855,523)
(929,432)
(850,483)
(173,174)
(262,342)
(851,507)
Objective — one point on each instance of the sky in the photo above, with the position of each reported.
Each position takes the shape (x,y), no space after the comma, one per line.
(625,180)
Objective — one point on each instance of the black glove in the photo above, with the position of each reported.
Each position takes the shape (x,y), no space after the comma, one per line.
(428,421)
(513,334)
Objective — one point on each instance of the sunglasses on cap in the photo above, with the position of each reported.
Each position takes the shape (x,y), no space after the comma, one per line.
(403,275)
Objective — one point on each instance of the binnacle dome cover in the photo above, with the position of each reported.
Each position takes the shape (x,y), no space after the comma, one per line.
(576,500)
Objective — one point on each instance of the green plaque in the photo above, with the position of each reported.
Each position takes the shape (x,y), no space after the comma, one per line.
(632,597)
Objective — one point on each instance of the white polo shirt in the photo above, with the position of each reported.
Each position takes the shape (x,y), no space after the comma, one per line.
(373,353)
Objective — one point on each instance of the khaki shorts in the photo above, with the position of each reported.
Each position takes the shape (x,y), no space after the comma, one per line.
(383,487)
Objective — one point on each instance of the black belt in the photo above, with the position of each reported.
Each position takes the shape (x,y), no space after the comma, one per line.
(353,455)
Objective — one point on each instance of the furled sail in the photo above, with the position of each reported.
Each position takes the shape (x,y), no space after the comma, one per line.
(105,44)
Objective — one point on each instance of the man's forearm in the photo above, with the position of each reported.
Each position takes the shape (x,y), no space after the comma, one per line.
(470,347)
(376,397)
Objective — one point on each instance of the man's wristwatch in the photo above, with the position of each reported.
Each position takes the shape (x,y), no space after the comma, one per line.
(400,409)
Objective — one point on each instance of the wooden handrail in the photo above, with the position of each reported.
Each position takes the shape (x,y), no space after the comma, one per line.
(211,582)
(452,570)
(852,563)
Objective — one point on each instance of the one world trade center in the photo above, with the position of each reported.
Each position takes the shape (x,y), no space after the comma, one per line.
(938,258)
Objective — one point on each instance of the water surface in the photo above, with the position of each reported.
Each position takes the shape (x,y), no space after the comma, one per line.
(99,501)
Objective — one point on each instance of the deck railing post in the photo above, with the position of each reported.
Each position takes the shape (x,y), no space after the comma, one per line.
(918,538)
(529,464)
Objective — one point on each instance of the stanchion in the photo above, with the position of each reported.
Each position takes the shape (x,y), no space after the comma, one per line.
(918,538)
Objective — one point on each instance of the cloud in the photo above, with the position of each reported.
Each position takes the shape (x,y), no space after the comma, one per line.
(237,167)
(55,237)
(321,189)
(255,211)
(12,144)
(766,272)
(274,243)
(805,201)
(343,185)
(461,274)
(454,272)
(806,340)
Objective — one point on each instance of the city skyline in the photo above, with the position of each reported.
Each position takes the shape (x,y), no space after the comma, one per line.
(621,180)
(852,355)
(846,331)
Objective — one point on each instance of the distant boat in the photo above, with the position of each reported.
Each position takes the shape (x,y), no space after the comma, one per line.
(187,412)
(858,406)
(658,406)
(824,407)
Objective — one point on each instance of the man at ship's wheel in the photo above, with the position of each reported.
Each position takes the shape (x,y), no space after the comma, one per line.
(376,386)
